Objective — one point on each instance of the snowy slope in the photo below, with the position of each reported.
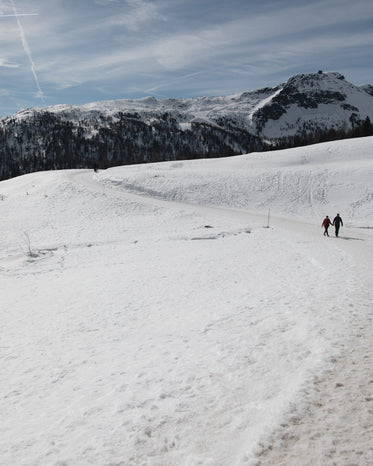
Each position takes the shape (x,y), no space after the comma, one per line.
(307,182)
(312,103)
(149,318)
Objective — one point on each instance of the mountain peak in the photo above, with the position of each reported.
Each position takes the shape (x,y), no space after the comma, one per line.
(313,102)
(319,76)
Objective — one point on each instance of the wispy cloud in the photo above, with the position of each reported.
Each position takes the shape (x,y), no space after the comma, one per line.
(19,14)
(130,48)
(27,50)
(4,64)
(139,13)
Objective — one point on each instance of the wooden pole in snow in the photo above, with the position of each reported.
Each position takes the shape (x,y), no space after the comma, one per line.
(269,214)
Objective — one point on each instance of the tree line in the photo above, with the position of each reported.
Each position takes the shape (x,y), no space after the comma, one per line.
(47,141)
(357,130)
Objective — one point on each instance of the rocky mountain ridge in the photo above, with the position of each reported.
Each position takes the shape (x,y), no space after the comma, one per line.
(127,131)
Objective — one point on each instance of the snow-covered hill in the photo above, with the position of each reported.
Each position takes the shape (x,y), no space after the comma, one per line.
(302,110)
(305,182)
(150,316)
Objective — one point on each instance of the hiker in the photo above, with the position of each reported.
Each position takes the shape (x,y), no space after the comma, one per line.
(337,222)
(326,224)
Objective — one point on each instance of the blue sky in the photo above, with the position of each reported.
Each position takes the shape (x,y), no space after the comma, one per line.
(65,51)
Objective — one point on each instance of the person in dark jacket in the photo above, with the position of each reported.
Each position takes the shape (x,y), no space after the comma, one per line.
(326,224)
(337,222)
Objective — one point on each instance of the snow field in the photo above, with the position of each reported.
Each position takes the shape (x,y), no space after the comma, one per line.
(143,331)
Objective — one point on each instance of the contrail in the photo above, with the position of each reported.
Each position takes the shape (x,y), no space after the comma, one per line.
(27,49)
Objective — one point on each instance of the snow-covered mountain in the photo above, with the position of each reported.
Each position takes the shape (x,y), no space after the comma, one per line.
(313,103)
(147,130)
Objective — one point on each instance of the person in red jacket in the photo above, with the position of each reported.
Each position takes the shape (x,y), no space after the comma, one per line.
(326,224)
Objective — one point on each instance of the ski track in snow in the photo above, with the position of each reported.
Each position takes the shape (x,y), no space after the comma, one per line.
(136,330)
